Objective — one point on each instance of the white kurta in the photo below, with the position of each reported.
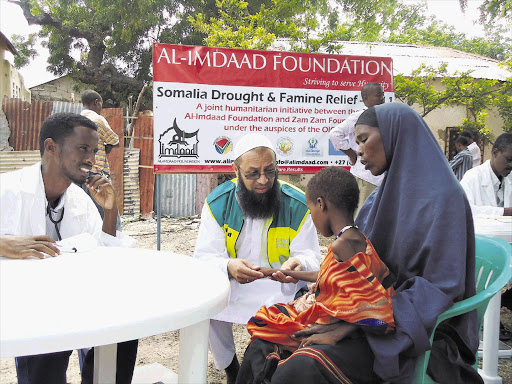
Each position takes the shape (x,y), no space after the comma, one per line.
(481,186)
(246,299)
(23,209)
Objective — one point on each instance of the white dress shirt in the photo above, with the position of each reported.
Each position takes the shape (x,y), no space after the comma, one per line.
(343,137)
(475,152)
(23,209)
(482,187)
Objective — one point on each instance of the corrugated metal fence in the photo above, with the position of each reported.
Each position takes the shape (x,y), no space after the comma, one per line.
(182,195)
(25,121)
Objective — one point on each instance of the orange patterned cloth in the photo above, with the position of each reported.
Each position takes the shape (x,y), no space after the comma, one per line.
(351,291)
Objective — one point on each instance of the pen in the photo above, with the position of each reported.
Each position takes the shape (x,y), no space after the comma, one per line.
(63,248)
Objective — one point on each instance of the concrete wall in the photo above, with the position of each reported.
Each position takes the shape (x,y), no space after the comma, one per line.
(61,89)
(5,132)
(11,82)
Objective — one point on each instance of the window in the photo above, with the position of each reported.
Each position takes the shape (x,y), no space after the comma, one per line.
(449,145)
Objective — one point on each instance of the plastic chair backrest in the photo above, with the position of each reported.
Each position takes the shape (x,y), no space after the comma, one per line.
(493,271)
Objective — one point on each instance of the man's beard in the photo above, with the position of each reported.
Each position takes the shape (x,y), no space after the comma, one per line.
(259,205)
(77,179)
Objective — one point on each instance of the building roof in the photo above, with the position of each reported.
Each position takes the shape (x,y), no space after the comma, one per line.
(408,57)
(8,43)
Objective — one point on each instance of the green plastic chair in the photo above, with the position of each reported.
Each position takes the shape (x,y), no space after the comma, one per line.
(493,271)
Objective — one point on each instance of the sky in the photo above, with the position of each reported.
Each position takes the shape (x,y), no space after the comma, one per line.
(13,22)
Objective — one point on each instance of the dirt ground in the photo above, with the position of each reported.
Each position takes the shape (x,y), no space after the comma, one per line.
(179,235)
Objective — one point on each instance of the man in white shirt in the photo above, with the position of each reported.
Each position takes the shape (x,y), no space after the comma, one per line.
(343,138)
(40,205)
(489,186)
(473,148)
(250,222)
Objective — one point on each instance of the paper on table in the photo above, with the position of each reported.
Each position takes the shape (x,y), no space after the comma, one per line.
(504,219)
(83,242)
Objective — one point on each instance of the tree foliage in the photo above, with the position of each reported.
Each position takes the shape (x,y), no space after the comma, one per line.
(113,39)
(311,25)
(492,10)
(25,48)
(478,96)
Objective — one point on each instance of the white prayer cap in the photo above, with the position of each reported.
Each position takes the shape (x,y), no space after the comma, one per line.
(251,141)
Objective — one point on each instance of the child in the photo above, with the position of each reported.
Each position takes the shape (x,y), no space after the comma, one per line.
(353,285)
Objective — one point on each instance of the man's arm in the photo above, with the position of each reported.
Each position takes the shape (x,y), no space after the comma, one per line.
(13,240)
(341,137)
(107,134)
(108,147)
(456,161)
(211,248)
(352,155)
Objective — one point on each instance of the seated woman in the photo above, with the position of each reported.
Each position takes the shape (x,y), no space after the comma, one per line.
(420,223)
(349,287)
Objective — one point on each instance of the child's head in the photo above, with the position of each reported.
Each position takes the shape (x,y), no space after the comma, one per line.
(335,187)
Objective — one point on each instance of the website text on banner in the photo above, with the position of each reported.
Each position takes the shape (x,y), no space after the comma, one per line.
(205,99)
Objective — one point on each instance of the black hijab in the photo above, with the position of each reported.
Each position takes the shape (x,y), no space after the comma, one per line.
(420,223)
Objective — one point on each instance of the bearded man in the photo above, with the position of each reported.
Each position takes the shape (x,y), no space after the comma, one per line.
(254,221)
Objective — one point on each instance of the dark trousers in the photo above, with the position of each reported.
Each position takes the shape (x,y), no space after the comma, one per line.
(51,367)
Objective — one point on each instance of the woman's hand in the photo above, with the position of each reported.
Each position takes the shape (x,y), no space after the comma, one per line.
(327,338)
(327,334)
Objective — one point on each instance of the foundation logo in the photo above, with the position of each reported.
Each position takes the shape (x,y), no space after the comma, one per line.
(223,144)
(284,146)
(177,143)
(312,148)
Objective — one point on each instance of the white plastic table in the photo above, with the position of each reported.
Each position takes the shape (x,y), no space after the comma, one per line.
(128,294)
(501,227)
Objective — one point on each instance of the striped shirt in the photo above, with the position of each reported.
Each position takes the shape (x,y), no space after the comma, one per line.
(461,163)
(106,137)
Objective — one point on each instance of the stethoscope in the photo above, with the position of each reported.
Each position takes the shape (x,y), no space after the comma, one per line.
(55,222)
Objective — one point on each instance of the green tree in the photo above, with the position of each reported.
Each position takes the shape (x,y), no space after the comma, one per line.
(419,88)
(313,24)
(114,39)
(503,100)
(256,24)
(491,10)
(308,24)
(25,48)
(478,96)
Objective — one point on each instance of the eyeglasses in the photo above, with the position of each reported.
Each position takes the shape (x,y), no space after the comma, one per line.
(271,173)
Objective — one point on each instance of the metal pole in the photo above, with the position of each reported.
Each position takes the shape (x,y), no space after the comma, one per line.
(158,210)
